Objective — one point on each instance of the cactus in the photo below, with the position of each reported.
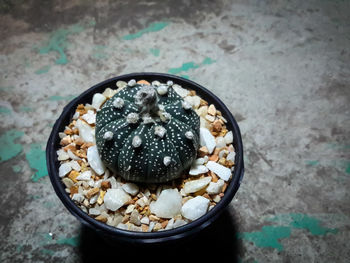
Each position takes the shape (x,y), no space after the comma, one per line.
(147,133)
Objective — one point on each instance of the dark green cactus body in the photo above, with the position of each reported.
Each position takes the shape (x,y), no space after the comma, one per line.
(147,137)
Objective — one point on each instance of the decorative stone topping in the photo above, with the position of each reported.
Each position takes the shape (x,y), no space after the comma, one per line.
(169,83)
(186,105)
(162,90)
(132,83)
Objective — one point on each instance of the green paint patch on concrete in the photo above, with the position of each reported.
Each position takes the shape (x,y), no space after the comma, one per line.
(73,241)
(9,148)
(49,205)
(59,98)
(312,162)
(185,67)
(337,146)
(4,110)
(42,70)
(6,88)
(313,225)
(45,239)
(347,169)
(19,248)
(25,109)
(155,52)
(208,61)
(16,168)
(191,65)
(47,251)
(153,27)
(58,42)
(268,237)
(37,161)
(184,76)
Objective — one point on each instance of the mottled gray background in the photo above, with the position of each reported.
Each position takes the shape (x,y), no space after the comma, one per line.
(282,67)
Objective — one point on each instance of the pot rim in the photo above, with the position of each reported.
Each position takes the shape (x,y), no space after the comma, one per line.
(145,237)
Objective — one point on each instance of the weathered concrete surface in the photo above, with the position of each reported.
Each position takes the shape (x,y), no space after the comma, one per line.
(281,67)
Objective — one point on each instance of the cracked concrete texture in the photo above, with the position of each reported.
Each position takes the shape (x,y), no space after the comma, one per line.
(281,67)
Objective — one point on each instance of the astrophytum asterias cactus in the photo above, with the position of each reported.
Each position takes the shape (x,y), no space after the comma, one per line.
(147,133)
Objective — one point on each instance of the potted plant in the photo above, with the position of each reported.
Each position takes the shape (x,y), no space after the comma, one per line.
(147,157)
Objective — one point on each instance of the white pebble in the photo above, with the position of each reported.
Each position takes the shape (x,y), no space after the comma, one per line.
(179,222)
(162,90)
(229,137)
(151,226)
(114,183)
(181,91)
(168,204)
(121,84)
(115,198)
(199,161)
(170,224)
(130,188)
(94,211)
(142,202)
(95,161)
(122,226)
(64,169)
(78,197)
(215,188)
(155,83)
(145,220)
(90,117)
(129,209)
(76,115)
(207,139)
(75,166)
(86,132)
(196,185)
(93,199)
(186,105)
(62,155)
(134,218)
(85,176)
(210,118)
(195,207)
(132,83)
(68,183)
(220,142)
(198,169)
(72,155)
(231,156)
(97,100)
(220,170)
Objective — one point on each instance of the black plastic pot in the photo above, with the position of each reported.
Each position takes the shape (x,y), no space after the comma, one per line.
(141,237)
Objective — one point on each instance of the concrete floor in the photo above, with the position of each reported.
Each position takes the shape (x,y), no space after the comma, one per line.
(281,67)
